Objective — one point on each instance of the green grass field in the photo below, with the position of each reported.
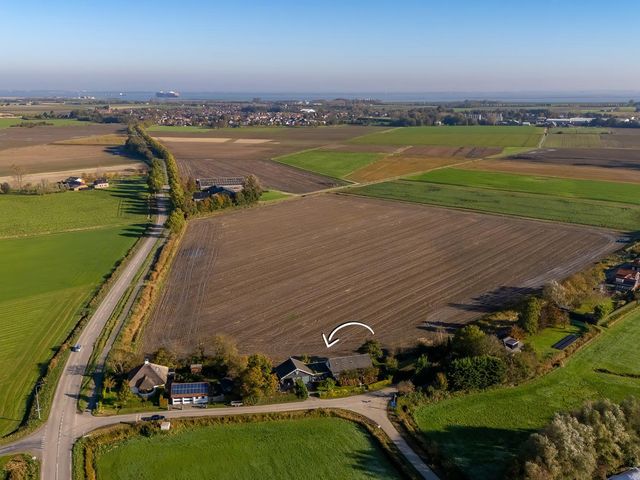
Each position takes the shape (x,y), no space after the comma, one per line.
(559,187)
(286,449)
(330,163)
(57,122)
(569,210)
(121,204)
(543,340)
(270,195)
(47,278)
(481,432)
(477,136)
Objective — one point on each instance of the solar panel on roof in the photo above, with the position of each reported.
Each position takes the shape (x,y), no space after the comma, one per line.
(190,388)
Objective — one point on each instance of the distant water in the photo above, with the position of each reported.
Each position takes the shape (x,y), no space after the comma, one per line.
(544,97)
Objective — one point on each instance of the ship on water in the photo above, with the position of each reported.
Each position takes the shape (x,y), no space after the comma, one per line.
(169,94)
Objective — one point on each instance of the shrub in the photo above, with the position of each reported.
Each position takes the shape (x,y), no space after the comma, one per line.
(300,389)
(476,372)
(529,319)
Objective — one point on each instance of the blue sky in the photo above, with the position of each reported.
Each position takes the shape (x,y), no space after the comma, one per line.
(321,46)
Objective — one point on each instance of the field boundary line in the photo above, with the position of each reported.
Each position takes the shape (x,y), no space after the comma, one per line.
(70,230)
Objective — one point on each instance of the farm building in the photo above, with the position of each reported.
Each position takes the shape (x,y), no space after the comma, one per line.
(627,279)
(192,393)
(512,344)
(101,183)
(75,184)
(338,365)
(289,371)
(211,186)
(145,379)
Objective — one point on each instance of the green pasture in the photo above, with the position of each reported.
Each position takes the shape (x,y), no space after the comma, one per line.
(481,432)
(57,122)
(560,187)
(572,140)
(285,449)
(270,195)
(476,136)
(331,163)
(123,203)
(569,210)
(48,277)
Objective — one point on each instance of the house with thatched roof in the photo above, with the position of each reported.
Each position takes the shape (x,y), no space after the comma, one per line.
(145,379)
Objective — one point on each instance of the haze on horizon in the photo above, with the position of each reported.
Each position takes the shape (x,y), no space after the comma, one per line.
(332,46)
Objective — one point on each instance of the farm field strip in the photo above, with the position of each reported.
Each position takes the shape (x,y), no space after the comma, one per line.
(617,175)
(327,259)
(333,448)
(27,137)
(567,210)
(329,163)
(572,140)
(481,432)
(476,136)
(587,189)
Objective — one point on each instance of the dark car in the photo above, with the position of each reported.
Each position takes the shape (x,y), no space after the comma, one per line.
(153,418)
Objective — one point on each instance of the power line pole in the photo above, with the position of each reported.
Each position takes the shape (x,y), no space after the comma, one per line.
(38,385)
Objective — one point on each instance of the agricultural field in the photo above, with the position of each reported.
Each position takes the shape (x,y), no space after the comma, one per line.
(560,187)
(55,122)
(482,432)
(476,136)
(333,448)
(25,137)
(627,159)
(62,255)
(328,259)
(330,163)
(544,207)
(397,165)
(524,167)
(622,138)
(250,150)
(572,139)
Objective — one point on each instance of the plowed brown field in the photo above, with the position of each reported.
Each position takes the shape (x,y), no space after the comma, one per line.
(244,151)
(276,277)
(24,137)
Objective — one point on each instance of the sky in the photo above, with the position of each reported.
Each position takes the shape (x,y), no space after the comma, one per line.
(320,46)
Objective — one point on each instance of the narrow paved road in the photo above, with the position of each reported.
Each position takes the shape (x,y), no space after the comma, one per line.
(59,431)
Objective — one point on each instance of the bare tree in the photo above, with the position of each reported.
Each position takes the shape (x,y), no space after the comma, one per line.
(18,174)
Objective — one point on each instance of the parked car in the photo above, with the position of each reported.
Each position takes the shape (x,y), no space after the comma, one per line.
(153,418)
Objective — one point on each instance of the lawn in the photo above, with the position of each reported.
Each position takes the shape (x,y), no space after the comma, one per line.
(57,122)
(286,449)
(481,432)
(121,204)
(47,278)
(560,187)
(330,163)
(569,210)
(477,136)
(546,338)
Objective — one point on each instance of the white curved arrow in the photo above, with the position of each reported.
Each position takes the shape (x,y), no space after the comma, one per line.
(329,343)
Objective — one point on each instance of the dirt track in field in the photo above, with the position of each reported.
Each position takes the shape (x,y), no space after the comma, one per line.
(248,151)
(14,137)
(276,277)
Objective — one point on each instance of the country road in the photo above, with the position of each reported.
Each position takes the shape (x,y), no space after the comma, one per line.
(54,441)
(59,431)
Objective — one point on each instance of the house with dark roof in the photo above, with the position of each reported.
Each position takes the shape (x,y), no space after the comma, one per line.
(338,365)
(145,379)
(221,185)
(292,369)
